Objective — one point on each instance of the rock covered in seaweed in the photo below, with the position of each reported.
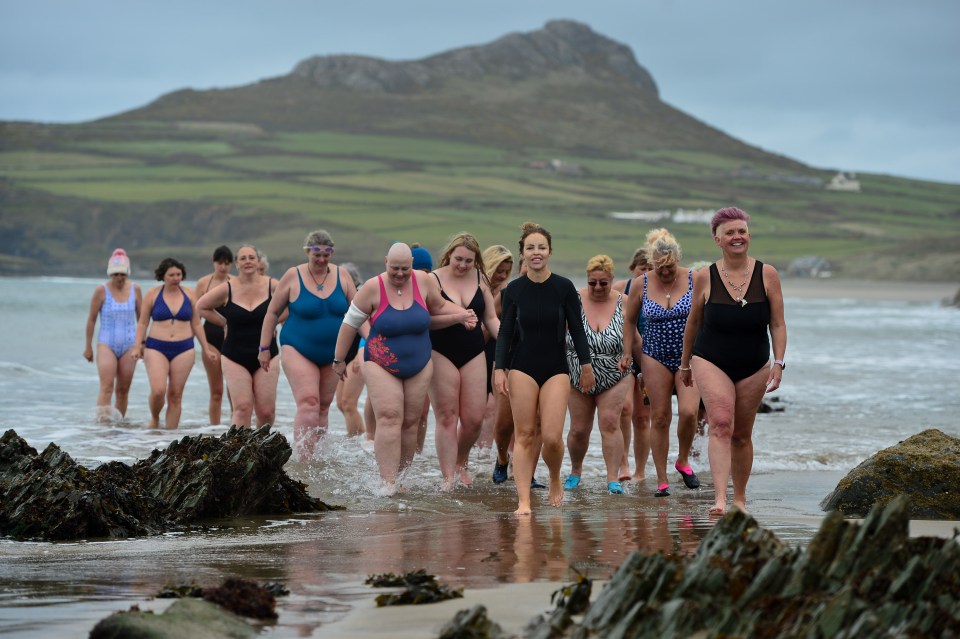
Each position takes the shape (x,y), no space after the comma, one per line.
(925,467)
(865,581)
(49,496)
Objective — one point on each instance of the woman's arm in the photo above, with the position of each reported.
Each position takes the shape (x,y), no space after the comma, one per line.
(143,322)
(701,279)
(443,313)
(213,299)
(778,326)
(96,303)
(491,321)
(573,311)
(631,311)
(276,310)
(197,327)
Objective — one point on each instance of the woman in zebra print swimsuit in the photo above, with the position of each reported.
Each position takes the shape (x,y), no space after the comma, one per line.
(602,317)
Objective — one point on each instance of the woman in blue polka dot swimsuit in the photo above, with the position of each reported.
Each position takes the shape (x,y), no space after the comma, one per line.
(663,300)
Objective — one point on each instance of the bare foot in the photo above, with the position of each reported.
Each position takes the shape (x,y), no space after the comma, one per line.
(448,485)
(638,476)
(522,510)
(465,477)
(625,474)
(556,493)
(719,508)
(740,505)
(154,423)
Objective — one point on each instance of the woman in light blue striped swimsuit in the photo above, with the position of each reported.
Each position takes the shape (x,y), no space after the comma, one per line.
(118,331)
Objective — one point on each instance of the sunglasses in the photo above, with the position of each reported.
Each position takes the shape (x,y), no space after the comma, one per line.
(321,249)
(600,283)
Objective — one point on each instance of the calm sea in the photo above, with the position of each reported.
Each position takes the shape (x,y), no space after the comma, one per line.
(862,375)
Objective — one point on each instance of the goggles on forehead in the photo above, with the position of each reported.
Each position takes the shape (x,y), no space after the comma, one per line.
(319,249)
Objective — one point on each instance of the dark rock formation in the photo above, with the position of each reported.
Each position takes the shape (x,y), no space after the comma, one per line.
(49,496)
(472,623)
(192,618)
(561,45)
(925,467)
(418,588)
(868,580)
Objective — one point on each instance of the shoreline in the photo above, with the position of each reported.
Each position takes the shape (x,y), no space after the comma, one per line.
(839,288)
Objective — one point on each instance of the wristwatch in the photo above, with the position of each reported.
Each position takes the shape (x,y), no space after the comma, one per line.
(783,364)
(337,361)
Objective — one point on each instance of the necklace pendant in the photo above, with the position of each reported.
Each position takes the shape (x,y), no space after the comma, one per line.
(399,292)
(743,302)
(319,287)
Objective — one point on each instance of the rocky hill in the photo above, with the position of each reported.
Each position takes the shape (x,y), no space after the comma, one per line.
(563,86)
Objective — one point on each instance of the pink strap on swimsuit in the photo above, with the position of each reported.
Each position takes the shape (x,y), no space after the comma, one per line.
(384,302)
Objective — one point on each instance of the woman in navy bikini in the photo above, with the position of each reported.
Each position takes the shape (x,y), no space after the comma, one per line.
(118,304)
(662,297)
(736,303)
(165,339)
(397,365)
(240,305)
(316,295)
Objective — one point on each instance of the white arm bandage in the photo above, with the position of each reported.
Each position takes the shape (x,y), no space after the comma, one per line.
(355,317)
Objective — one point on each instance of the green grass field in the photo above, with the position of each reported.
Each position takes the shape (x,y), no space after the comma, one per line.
(372,190)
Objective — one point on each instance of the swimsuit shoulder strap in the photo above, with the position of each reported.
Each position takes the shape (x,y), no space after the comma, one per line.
(383,300)
(416,292)
(229,292)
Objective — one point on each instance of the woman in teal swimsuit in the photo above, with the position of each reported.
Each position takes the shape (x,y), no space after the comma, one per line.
(317,294)
(165,338)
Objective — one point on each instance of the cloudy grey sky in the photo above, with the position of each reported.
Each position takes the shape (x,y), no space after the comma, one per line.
(858,85)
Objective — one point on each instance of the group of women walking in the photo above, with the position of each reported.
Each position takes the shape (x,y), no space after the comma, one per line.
(464,336)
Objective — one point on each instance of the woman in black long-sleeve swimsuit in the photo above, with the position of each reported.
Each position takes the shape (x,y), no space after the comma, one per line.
(539,307)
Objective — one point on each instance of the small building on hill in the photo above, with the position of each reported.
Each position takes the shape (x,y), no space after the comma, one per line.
(844,182)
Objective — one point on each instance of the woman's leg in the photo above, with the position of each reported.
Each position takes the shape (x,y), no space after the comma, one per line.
(659,382)
(304,378)
(265,392)
(158,372)
(553,411)
(719,397)
(414,395)
(107,366)
(385,395)
(180,368)
(126,367)
(240,385)
(473,399)
(348,394)
(626,430)
(524,404)
(641,429)
(445,397)
(214,371)
(749,395)
(609,409)
(688,404)
(582,409)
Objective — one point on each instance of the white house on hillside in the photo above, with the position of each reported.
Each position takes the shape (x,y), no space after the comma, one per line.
(844,182)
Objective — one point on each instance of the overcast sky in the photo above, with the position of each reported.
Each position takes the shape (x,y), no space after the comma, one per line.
(861,85)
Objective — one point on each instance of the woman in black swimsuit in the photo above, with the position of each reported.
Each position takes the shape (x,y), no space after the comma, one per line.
(735,303)
(458,388)
(222,261)
(240,305)
(540,307)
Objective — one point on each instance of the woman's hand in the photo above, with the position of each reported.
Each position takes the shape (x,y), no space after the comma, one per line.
(776,375)
(264,358)
(625,364)
(340,370)
(587,378)
(136,352)
(686,375)
(88,354)
(469,320)
(500,381)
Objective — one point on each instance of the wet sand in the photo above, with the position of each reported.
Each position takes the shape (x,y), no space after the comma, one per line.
(509,564)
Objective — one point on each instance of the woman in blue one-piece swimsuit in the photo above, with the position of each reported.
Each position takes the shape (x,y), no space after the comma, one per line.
(118,304)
